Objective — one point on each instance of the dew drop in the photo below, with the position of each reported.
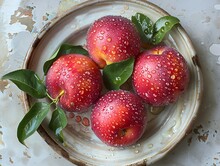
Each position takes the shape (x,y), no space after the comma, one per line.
(173,77)
(78,118)
(146,94)
(71,115)
(109,39)
(118,78)
(136,151)
(153,71)
(100,37)
(150,146)
(124,51)
(85,121)
(167,23)
(126,7)
(113,52)
(126,43)
(146,31)
(104,48)
(162,29)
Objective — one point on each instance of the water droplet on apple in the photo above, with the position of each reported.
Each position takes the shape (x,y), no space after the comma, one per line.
(104,48)
(173,77)
(153,71)
(100,37)
(113,52)
(109,39)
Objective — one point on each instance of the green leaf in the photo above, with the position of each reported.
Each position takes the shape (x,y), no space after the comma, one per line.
(162,26)
(27,81)
(58,122)
(144,26)
(116,74)
(62,50)
(32,120)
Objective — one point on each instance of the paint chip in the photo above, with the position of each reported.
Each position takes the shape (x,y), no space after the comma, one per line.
(3,85)
(11,161)
(24,16)
(26,154)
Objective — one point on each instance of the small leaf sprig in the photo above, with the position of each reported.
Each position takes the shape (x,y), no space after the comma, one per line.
(29,82)
(150,32)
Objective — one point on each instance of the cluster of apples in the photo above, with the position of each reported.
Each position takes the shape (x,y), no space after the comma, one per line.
(118,117)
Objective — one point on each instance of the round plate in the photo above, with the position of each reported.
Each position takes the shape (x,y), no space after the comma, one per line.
(164,130)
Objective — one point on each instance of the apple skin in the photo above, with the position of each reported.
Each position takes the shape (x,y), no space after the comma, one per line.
(112,39)
(119,118)
(160,75)
(78,77)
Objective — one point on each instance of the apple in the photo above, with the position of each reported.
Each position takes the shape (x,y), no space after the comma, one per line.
(112,39)
(76,79)
(119,118)
(160,75)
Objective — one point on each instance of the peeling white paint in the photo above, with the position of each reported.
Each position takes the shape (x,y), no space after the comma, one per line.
(15,40)
(215,49)
(217,6)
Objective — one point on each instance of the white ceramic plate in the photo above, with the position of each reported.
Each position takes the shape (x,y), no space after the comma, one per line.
(164,130)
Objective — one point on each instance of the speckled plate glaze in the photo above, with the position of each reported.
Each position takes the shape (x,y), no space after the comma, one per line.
(164,129)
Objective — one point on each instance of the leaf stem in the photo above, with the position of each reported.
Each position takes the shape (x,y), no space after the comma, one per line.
(55,101)
(50,97)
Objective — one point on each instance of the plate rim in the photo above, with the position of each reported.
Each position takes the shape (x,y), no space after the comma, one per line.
(43,133)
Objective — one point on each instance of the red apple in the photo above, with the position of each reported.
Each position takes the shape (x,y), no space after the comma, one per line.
(78,78)
(160,75)
(112,39)
(119,118)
